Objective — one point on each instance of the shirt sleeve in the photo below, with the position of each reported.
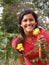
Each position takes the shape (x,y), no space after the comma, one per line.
(14,42)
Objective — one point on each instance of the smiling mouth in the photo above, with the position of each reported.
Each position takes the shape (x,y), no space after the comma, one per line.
(29,27)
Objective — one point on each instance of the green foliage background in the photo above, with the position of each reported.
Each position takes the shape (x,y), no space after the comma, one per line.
(9,24)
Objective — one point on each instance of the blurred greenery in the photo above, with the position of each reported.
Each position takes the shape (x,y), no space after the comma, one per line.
(6,51)
(9,24)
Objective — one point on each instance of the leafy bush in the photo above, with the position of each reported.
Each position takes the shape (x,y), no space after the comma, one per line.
(6,51)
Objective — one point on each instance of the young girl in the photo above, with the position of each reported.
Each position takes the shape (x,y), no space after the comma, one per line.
(31,53)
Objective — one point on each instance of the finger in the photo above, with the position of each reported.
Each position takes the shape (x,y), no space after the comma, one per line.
(42,38)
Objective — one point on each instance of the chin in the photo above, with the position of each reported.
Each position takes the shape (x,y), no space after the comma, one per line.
(30,31)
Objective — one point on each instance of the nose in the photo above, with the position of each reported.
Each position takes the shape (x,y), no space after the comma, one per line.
(28,22)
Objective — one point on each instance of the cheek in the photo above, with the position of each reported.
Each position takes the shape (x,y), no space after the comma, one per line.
(23,26)
(33,23)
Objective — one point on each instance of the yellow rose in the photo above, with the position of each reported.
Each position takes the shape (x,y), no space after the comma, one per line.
(36,31)
(20,47)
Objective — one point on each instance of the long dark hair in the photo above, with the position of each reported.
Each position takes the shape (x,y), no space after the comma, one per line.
(21,17)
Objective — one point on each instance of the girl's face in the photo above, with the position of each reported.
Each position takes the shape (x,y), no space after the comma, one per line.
(28,23)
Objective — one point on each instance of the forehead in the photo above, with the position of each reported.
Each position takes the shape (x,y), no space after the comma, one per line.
(28,16)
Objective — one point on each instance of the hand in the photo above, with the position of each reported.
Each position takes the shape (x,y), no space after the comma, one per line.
(41,38)
(42,47)
(20,60)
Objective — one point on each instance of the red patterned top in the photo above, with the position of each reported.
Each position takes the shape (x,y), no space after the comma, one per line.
(30,46)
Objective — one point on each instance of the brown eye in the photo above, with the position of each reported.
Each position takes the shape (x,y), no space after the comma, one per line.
(24,20)
(30,19)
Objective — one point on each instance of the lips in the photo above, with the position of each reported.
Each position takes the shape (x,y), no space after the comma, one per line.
(29,28)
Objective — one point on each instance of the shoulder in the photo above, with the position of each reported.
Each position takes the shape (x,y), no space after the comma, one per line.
(44,32)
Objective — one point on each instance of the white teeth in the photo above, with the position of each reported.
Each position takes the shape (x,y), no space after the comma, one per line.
(29,26)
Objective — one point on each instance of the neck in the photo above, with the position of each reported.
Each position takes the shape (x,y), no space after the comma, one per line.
(29,37)
(29,34)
